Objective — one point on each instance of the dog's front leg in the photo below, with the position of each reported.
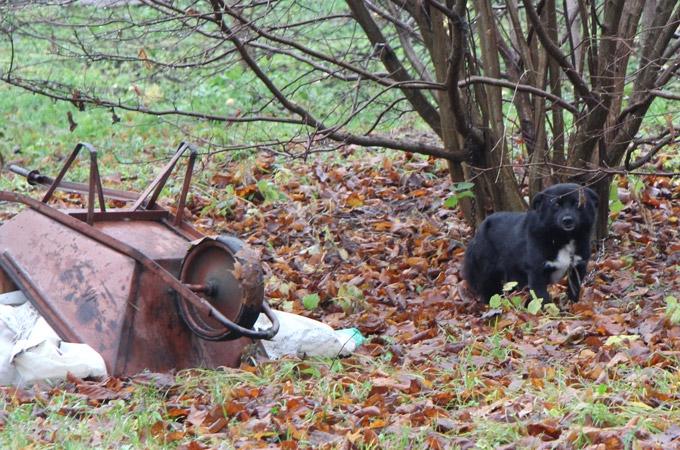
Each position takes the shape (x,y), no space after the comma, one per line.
(538,282)
(576,276)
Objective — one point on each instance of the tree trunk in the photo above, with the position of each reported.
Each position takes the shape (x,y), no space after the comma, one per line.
(602,188)
(501,179)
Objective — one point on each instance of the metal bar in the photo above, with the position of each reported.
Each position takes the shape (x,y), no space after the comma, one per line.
(149,264)
(155,215)
(32,176)
(184,230)
(35,177)
(90,195)
(236,328)
(94,185)
(271,332)
(81,188)
(95,180)
(185,187)
(157,192)
(62,172)
(100,189)
(160,180)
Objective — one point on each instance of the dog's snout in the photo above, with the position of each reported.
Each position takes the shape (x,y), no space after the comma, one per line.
(568,223)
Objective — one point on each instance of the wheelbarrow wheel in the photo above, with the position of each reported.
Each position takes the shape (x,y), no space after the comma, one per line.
(221,272)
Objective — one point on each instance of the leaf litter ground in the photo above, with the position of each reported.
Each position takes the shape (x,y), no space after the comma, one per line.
(370,236)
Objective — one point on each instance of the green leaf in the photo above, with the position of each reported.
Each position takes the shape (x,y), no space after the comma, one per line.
(675,317)
(451,202)
(534,306)
(311,301)
(635,184)
(621,339)
(463,186)
(460,191)
(495,301)
(464,194)
(312,371)
(672,309)
(614,190)
(270,192)
(516,301)
(615,204)
(551,309)
(350,291)
(509,286)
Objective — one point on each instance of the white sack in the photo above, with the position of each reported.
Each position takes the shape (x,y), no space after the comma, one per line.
(302,336)
(30,350)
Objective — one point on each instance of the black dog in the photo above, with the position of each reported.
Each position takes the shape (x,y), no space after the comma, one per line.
(535,248)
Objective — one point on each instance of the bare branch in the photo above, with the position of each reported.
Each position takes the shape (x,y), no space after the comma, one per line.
(519,87)
(411,54)
(450,13)
(554,51)
(393,65)
(664,94)
(348,138)
(641,161)
(392,17)
(384,80)
(458,29)
(52,92)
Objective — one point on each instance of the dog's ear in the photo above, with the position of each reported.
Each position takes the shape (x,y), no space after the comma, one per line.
(538,199)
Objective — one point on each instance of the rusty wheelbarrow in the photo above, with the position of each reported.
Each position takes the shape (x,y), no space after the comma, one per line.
(138,284)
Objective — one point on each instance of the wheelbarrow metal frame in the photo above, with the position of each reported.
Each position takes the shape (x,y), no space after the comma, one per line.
(144,208)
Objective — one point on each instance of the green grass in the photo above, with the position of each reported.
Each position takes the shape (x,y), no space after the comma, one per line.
(34,130)
(334,390)
(40,127)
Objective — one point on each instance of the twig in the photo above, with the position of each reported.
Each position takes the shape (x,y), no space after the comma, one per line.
(670,139)
(519,87)
(664,94)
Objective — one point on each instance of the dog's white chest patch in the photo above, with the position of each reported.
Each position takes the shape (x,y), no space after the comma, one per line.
(565,259)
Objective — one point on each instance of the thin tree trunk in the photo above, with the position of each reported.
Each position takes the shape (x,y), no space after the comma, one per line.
(505,188)
(473,209)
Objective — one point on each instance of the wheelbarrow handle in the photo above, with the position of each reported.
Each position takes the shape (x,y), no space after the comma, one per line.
(35,177)
(253,334)
(32,176)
